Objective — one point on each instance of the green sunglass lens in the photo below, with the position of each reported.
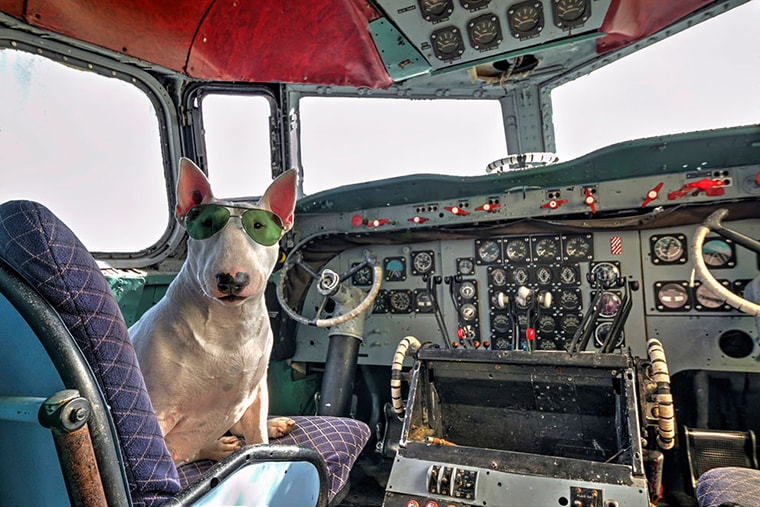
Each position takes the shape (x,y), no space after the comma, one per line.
(262,226)
(205,220)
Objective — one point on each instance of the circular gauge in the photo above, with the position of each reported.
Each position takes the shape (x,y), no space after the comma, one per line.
(519,275)
(467,290)
(577,247)
(500,323)
(672,296)
(570,11)
(435,10)
(547,324)
(381,302)
(544,275)
(606,273)
(423,301)
(569,300)
(400,301)
(668,249)
(718,253)
(609,304)
(516,250)
(363,277)
(547,249)
(395,269)
(498,277)
(568,275)
(488,251)
(525,18)
(569,323)
(547,345)
(707,298)
(468,312)
(484,32)
(601,333)
(465,266)
(447,43)
(422,262)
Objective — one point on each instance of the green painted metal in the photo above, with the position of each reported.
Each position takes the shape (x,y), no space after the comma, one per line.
(401,59)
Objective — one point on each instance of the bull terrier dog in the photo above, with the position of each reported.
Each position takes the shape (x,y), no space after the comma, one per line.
(204,347)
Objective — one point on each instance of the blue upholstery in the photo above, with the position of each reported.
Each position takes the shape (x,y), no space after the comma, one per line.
(729,486)
(46,252)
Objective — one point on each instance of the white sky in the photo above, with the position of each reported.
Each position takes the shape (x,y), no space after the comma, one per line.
(705,77)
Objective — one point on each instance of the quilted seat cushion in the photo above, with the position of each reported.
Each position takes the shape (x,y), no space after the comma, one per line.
(53,260)
(729,486)
(338,440)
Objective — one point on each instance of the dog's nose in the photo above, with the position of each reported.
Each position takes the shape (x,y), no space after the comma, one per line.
(232,285)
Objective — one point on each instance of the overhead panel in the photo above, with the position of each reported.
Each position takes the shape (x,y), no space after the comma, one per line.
(449,33)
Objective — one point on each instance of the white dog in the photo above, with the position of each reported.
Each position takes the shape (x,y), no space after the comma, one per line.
(204,348)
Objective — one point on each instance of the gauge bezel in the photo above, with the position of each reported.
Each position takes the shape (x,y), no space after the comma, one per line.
(387,272)
(436,17)
(728,263)
(543,256)
(524,249)
(660,286)
(585,239)
(498,255)
(515,9)
(566,24)
(699,290)
(446,31)
(658,258)
(415,255)
(487,46)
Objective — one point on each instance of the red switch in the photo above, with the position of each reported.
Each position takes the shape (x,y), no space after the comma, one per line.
(530,334)
(418,219)
(378,222)
(456,210)
(554,203)
(589,200)
(710,187)
(357,220)
(652,195)
(489,207)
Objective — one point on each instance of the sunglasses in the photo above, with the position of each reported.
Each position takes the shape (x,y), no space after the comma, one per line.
(205,220)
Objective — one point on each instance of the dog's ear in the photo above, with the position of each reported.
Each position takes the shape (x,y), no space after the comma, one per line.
(192,187)
(280,197)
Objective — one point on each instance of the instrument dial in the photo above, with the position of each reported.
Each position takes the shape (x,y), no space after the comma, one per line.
(547,344)
(447,43)
(363,277)
(516,250)
(544,275)
(519,275)
(547,324)
(465,266)
(569,300)
(395,269)
(668,249)
(467,290)
(498,277)
(423,301)
(578,248)
(718,253)
(422,262)
(381,302)
(436,10)
(468,311)
(569,323)
(546,249)
(569,275)
(500,323)
(606,273)
(707,299)
(672,296)
(400,301)
(526,19)
(609,304)
(601,333)
(571,13)
(484,32)
(474,5)
(488,251)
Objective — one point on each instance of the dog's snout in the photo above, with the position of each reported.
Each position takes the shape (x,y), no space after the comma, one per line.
(232,285)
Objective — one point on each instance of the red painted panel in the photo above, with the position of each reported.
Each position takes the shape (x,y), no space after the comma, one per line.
(13,7)
(632,20)
(324,42)
(157,31)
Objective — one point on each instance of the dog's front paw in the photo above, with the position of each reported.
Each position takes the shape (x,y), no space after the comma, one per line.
(280,426)
(220,448)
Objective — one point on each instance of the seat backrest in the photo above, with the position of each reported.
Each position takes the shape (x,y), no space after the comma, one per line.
(46,253)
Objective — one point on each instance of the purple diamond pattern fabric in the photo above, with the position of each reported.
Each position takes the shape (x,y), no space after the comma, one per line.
(43,250)
(730,486)
(338,440)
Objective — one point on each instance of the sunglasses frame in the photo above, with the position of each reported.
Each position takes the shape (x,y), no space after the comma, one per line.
(228,207)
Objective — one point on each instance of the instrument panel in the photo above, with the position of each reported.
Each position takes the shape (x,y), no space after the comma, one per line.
(535,291)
